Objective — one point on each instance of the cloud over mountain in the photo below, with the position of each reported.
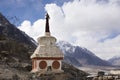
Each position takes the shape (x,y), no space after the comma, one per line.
(92,24)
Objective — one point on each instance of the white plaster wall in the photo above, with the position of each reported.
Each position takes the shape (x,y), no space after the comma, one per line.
(47,48)
(35,69)
(115,71)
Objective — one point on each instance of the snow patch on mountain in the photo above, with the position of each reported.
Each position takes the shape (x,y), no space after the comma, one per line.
(66,47)
(79,56)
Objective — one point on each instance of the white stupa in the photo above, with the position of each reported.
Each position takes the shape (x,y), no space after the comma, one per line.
(47,56)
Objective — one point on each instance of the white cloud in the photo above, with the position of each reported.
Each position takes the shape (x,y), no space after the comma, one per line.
(34,30)
(86,23)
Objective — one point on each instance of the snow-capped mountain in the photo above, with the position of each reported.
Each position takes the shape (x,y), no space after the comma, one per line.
(65,46)
(115,61)
(78,56)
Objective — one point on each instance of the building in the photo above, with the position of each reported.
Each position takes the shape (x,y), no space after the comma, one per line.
(115,72)
(47,56)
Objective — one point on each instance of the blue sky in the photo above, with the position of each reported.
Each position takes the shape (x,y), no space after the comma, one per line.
(26,9)
(93,24)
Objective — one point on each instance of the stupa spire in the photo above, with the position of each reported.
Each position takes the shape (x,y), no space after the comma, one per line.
(47,24)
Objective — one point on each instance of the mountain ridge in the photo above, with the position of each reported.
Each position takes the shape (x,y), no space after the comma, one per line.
(78,56)
(9,30)
(115,60)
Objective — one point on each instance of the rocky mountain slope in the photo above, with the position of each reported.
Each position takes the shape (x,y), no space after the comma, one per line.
(115,61)
(15,62)
(78,56)
(14,44)
(10,31)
